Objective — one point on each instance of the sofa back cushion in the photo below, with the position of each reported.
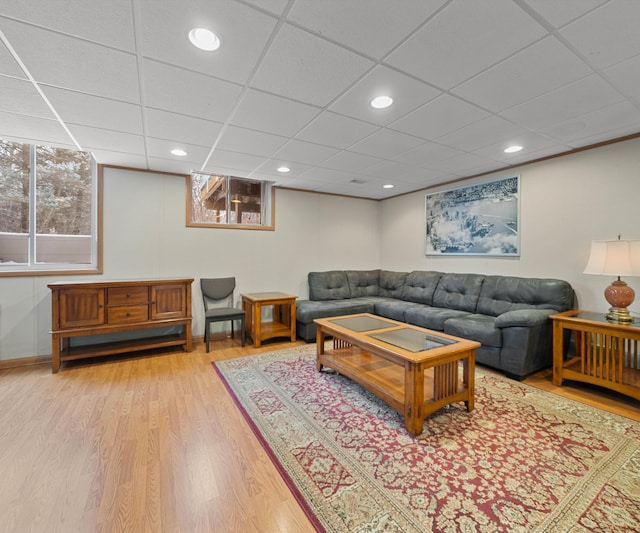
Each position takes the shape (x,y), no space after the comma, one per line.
(363,282)
(458,291)
(420,286)
(500,294)
(330,285)
(391,283)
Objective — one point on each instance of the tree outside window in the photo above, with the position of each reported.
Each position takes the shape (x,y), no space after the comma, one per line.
(47,208)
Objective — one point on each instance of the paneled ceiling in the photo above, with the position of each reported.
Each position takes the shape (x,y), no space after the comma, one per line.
(292,80)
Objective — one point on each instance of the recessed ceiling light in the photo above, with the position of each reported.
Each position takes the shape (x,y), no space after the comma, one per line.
(380,102)
(204,39)
(284,170)
(178,151)
(387,186)
(512,149)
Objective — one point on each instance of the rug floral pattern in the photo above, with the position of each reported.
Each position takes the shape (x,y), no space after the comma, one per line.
(523,460)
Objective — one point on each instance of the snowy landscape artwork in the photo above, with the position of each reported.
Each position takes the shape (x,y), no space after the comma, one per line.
(480,219)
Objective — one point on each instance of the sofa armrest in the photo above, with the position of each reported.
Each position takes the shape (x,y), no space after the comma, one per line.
(526,318)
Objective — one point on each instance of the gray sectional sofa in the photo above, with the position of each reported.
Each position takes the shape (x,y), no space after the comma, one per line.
(507,315)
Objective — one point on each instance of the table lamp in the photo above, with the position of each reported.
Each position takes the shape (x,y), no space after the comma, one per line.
(616,258)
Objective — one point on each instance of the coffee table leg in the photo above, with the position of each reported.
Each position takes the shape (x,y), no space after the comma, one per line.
(319,347)
(413,397)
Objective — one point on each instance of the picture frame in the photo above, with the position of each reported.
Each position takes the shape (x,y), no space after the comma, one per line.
(480,219)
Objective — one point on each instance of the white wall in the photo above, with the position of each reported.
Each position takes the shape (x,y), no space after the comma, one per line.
(565,203)
(145,236)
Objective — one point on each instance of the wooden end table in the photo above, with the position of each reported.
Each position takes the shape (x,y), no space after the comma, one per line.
(607,353)
(284,316)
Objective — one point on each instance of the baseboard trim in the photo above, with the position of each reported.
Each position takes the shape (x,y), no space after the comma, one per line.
(25,361)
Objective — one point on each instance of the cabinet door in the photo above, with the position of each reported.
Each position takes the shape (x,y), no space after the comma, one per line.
(168,301)
(81,307)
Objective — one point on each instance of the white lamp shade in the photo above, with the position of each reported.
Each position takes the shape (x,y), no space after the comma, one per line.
(614,258)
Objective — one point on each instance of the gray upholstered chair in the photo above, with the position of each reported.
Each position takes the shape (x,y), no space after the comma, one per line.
(217,295)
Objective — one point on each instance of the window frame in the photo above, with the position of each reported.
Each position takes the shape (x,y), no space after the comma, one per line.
(62,269)
(268,197)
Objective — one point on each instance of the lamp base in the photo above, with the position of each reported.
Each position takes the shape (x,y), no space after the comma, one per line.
(619,295)
(619,316)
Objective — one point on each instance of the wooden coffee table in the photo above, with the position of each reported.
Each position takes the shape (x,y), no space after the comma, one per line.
(414,370)
(283,323)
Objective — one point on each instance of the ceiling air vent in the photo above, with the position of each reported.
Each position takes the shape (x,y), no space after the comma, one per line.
(359,182)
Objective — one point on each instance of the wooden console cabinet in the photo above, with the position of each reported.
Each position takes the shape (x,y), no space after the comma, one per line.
(97,308)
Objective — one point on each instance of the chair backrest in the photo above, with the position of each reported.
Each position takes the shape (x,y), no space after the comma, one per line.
(217,290)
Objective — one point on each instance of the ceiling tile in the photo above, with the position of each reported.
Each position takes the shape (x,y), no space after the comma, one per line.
(625,76)
(536,70)
(439,117)
(164,87)
(407,94)
(335,130)
(560,13)
(90,138)
(426,153)
(8,65)
(487,131)
(306,68)
(109,23)
(19,96)
(243,33)
(175,127)
(89,110)
(169,165)
(268,170)
(372,27)
(34,129)
(610,122)
(470,35)
(305,152)
(161,148)
(575,99)
(234,160)
(608,34)
(350,161)
(73,63)
(253,142)
(272,114)
(122,159)
(276,7)
(386,143)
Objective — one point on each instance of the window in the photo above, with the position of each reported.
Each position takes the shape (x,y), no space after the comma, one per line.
(48,210)
(225,201)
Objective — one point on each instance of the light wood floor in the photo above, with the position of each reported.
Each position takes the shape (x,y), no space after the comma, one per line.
(151,443)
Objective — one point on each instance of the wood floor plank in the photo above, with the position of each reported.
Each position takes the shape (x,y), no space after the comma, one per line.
(153,443)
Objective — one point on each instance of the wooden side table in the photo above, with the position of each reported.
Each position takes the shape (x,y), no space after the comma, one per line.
(284,316)
(607,354)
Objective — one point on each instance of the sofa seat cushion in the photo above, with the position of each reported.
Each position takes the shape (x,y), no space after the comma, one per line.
(391,308)
(430,317)
(481,328)
(307,311)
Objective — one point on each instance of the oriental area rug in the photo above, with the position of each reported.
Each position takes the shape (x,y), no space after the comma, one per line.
(522,460)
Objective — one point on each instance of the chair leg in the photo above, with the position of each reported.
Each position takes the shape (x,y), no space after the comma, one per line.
(232,333)
(207,327)
(242,330)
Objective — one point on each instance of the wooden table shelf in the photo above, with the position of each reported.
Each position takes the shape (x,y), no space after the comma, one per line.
(607,354)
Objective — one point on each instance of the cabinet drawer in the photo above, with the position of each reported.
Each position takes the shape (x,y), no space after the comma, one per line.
(127,295)
(127,313)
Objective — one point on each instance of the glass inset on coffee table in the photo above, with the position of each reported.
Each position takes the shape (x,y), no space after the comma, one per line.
(414,370)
